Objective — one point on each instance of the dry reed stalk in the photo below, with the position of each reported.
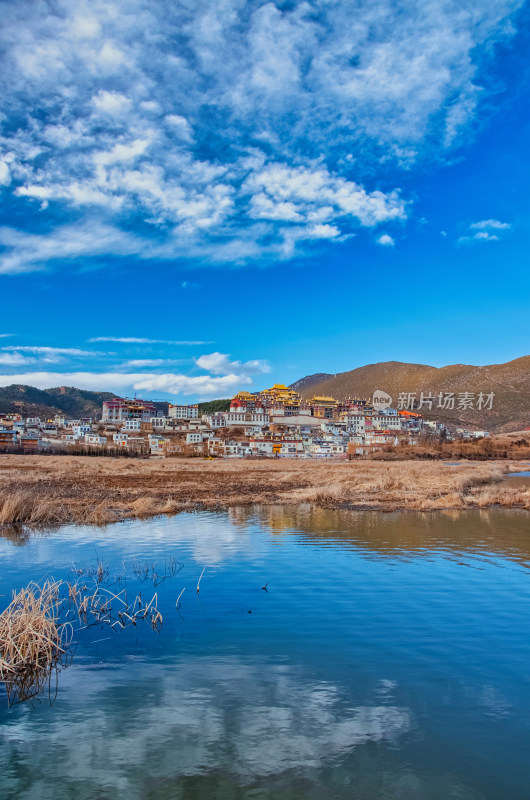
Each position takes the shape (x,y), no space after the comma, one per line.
(177,604)
(199,581)
(32,640)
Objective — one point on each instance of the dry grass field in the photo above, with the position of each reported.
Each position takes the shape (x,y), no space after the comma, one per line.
(47,490)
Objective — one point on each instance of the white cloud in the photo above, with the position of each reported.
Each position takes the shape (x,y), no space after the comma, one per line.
(295,110)
(237,131)
(488,224)
(15,359)
(111,58)
(386,240)
(5,175)
(220,364)
(225,376)
(39,192)
(151,106)
(150,362)
(6,335)
(322,231)
(486,237)
(263,207)
(482,236)
(295,193)
(202,385)
(137,340)
(28,251)
(111,102)
(122,152)
(12,355)
(272,718)
(79,194)
(52,351)
(180,126)
(85,27)
(487,230)
(172,383)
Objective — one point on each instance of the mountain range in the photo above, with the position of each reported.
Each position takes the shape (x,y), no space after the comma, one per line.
(510,383)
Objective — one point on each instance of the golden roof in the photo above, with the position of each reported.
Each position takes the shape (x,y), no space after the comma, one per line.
(323,399)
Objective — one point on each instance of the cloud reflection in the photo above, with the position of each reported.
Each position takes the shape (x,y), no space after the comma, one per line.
(145,722)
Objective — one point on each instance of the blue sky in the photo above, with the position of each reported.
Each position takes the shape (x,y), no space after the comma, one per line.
(204,196)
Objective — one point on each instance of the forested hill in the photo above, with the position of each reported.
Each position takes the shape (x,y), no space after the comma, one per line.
(75,403)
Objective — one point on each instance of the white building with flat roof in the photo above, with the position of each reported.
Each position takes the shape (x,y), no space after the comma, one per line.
(183,412)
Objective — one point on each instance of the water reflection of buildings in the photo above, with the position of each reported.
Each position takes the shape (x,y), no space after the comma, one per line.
(405,534)
(402,534)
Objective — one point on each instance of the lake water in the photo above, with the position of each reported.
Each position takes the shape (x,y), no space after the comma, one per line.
(388,658)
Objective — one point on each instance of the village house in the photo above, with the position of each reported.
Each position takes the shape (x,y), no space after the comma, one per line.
(94,440)
(159,422)
(8,437)
(79,431)
(30,441)
(327,450)
(384,421)
(377,437)
(355,423)
(183,412)
(132,425)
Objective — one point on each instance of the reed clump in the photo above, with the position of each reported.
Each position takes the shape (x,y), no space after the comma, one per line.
(38,626)
(15,507)
(25,506)
(33,640)
(146,507)
(509,497)
(101,606)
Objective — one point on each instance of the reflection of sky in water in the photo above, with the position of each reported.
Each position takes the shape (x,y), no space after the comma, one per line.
(248,719)
(388,659)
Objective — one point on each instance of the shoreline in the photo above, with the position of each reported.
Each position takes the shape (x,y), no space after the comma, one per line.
(53,490)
